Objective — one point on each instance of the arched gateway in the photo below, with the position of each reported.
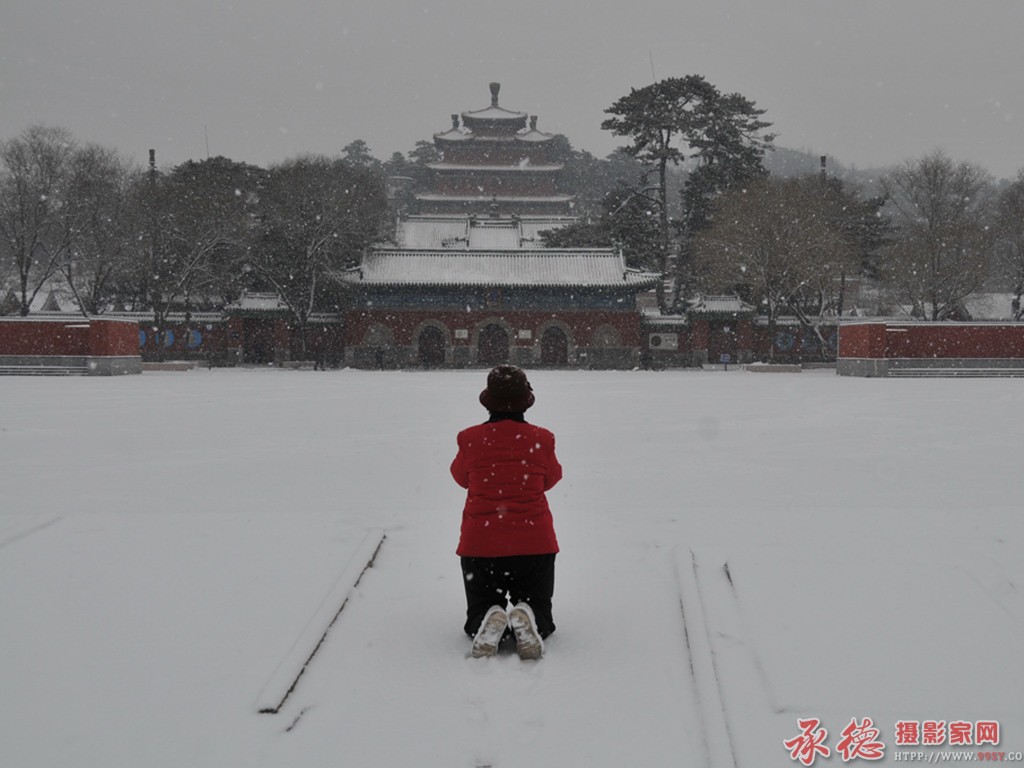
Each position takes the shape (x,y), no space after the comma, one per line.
(492,346)
(554,347)
(430,348)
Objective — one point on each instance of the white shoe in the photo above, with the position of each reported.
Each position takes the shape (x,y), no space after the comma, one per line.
(529,644)
(492,629)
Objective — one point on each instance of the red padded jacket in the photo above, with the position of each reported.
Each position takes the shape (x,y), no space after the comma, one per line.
(506,466)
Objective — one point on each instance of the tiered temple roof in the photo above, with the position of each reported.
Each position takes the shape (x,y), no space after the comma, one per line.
(494,159)
(478,225)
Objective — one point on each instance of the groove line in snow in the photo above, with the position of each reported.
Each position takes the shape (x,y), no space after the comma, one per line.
(291,668)
(28,531)
(754,657)
(707,685)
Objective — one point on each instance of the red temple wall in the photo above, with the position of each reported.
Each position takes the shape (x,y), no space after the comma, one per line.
(932,340)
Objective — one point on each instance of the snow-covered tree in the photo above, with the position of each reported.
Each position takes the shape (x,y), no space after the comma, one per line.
(1009,250)
(778,244)
(423,153)
(628,221)
(357,154)
(615,205)
(200,219)
(34,233)
(688,118)
(316,214)
(104,224)
(943,239)
(590,180)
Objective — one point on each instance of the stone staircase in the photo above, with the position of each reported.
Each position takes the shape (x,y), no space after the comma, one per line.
(957,373)
(44,370)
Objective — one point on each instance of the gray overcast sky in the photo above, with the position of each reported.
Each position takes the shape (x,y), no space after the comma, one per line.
(869,82)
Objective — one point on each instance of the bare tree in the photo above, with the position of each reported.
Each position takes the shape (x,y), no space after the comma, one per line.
(943,241)
(103,227)
(779,244)
(1009,250)
(316,214)
(199,223)
(34,232)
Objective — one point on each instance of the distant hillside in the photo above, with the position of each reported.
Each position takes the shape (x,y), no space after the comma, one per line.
(787,163)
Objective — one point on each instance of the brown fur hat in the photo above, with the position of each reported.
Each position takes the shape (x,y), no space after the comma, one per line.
(508,390)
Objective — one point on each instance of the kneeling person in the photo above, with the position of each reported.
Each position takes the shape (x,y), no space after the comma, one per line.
(507,544)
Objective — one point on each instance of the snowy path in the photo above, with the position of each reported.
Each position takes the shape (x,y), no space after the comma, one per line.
(166,538)
(613,690)
(917,638)
(314,633)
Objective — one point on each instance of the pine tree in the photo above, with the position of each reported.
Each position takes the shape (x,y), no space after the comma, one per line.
(689,119)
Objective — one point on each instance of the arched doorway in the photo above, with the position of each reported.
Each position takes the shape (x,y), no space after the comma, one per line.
(554,347)
(257,341)
(722,342)
(431,347)
(492,345)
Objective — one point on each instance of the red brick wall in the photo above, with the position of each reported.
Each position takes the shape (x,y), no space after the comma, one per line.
(931,340)
(93,337)
(113,337)
(40,337)
(865,340)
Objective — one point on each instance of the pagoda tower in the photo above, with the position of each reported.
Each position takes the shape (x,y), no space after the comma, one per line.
(467,279)
(494,162)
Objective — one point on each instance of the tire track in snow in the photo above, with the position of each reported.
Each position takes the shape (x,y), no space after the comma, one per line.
(397,682)
(26,532)
(718,738)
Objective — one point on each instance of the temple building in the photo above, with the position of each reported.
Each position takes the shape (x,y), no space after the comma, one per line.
(492,162)
(467,280)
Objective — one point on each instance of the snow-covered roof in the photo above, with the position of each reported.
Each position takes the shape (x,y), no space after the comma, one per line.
(517,167)
(53,296)
(652,316)
(494,235)
(533,135)
(453,134)
(58,299)
(433,233)
(512,199)
(257,302)
(990,306)
(981,306)
(532,227)
(729,303)
(466,233)
(197,318)
(494,112)
(594,268)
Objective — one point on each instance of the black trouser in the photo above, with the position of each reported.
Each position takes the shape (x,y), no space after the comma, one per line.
(491,581)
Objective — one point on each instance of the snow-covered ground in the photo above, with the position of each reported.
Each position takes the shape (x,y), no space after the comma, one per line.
(740,551)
